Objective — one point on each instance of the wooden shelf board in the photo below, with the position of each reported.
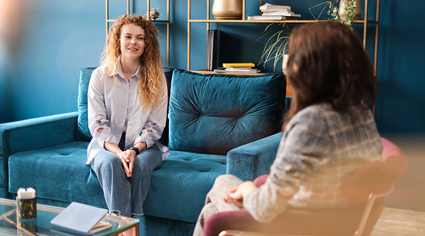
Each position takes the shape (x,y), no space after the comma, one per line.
(289,90)
(162,21)
(227,73)
(271,21)
(231,73)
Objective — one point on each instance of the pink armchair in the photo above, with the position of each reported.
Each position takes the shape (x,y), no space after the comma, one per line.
(366,187)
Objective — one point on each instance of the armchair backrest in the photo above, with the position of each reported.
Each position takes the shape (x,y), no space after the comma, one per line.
(216,113)
(372,182)
(375,177)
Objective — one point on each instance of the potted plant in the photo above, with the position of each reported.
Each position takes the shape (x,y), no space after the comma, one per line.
(344,10)
(276,46)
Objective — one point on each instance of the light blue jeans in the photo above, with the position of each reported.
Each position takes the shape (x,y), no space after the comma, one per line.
(123,194)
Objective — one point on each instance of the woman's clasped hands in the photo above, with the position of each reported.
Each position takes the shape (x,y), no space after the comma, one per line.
(127,159)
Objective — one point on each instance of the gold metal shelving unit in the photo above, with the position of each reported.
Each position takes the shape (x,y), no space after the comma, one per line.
(364,21)
(148,16)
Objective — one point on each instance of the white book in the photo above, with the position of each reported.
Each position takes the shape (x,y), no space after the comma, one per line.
(235,71)
(271,10)
(266,17)
(268,6)
(239,68)
(242,70)
(281,13)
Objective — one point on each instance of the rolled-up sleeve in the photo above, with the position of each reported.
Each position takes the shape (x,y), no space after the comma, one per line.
(97,116)
(155,124)
(305,146)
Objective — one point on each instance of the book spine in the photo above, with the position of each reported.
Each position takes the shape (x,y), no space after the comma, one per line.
(238,65)
(211,60)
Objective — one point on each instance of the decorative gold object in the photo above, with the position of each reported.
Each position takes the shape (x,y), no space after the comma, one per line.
(154,14)
(227,9)
(341,10)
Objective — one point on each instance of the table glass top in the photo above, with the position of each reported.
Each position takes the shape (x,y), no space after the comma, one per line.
(9,225)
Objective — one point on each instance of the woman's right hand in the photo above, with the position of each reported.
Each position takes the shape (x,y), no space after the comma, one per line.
(234,197)
(123,157)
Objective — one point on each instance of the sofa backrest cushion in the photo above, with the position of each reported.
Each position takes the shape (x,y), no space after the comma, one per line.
(216,113)
(83,132)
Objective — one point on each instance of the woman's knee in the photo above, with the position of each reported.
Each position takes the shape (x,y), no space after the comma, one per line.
(224,178)
(106,160)
(150,158)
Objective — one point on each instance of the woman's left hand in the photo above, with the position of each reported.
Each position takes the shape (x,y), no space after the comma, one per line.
(131,155)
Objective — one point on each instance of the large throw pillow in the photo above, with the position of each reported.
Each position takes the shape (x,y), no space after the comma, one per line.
(216,113)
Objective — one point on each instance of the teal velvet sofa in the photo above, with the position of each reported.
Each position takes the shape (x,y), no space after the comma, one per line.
(217,124)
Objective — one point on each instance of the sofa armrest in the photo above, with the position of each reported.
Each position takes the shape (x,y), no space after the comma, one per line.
(253,159)
(37,133)
(33,134)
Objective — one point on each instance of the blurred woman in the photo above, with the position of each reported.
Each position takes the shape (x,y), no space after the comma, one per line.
(327,134)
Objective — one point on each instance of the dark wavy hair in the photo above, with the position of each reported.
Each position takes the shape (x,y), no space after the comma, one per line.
(151,83)
(327,64)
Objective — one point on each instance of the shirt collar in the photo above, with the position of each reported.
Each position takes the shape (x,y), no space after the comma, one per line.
(119,69)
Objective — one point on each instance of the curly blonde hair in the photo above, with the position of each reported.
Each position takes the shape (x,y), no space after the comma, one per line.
(151,74)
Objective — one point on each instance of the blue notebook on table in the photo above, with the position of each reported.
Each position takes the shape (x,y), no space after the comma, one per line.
(80,218)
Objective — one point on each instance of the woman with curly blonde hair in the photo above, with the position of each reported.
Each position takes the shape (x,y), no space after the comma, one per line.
(127,109)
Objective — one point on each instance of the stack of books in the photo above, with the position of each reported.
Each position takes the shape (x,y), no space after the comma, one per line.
(238,68)
(275,12)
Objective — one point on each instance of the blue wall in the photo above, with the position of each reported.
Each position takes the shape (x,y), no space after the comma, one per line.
(40,76)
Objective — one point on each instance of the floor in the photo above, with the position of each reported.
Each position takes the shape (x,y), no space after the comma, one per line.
(409,191)
(404,214)
(400,222)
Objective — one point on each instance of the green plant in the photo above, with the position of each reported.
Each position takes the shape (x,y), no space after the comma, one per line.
(276,46)
(333,8)
(350,11)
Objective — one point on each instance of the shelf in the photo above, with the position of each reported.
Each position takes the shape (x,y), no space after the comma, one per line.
(273,21)
(242,20)
(231,73)
(289,90)
(154,21)
(160,21)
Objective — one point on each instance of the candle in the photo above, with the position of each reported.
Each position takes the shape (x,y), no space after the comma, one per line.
(26,203)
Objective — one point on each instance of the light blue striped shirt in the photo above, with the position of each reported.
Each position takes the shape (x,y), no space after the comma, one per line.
(115,103)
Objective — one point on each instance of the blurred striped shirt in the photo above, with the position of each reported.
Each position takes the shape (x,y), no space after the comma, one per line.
(318,150)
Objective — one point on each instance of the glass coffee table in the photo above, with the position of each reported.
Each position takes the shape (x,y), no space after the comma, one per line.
(41,224)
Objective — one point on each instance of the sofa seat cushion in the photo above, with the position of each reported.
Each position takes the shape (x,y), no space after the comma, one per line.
(57,173)
(179,187)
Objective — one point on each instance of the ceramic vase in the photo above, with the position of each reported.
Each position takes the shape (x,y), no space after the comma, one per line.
(284,62)
(341,10)
(227,9)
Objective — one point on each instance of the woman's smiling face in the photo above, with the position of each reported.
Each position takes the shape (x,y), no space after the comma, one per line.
(132,41)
